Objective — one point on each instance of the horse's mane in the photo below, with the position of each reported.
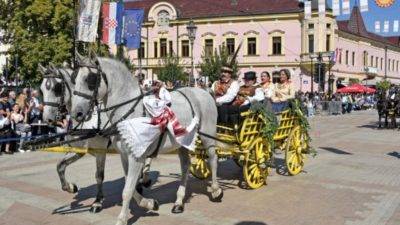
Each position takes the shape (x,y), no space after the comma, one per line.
(115,67)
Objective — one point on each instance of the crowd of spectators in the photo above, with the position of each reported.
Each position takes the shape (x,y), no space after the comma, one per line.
(19,111)
(313,103)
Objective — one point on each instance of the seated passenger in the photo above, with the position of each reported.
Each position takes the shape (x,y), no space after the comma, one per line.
(225,91)
(268,88)
(248,92)
(283,92)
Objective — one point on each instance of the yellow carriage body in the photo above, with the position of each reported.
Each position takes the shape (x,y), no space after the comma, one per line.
(246,145)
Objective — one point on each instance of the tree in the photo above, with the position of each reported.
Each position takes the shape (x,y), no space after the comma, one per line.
(41,31)
(383,85)
(211,65)
(171,70)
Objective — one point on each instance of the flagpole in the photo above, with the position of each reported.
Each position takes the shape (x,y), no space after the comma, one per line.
(74,37)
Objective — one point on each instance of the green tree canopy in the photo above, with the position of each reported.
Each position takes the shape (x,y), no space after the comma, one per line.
(211,65)
(41,31)
(171,70)
(384,85)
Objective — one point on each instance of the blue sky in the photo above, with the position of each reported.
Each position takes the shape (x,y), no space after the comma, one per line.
(376,13)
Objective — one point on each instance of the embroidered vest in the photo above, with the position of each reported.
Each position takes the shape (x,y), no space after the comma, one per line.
(243,93)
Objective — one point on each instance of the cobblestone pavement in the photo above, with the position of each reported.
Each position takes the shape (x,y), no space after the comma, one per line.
(353,180)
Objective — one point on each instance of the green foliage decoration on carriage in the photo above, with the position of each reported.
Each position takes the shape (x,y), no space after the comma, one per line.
(252,142)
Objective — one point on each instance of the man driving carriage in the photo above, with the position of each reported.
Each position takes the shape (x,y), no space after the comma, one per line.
(231,98)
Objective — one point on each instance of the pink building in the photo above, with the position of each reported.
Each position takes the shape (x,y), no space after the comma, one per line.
(274,35)
(365,54)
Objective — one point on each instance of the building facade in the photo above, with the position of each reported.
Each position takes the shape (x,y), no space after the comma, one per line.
(274,36)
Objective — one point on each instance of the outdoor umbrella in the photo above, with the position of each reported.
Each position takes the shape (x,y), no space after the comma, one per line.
(356,88)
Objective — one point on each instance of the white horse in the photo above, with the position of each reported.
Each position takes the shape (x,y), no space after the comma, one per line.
(110,82)
(57,89)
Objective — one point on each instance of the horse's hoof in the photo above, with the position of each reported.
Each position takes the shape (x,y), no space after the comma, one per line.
(147,184)
(74,188)
(218,198)
(156,205)
(177,209)
(95,208)
(139,189)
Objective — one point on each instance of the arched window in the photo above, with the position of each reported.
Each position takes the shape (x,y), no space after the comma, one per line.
(163,18)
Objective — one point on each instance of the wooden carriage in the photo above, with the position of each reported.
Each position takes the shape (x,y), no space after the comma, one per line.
(246,144)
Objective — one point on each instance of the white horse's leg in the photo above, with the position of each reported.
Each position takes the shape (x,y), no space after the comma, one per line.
(180,194)
(97,205)
(134,171)
(61,167)
(146,181)
(216,190)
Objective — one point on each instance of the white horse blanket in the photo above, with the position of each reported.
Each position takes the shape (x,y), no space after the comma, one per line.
(139,133)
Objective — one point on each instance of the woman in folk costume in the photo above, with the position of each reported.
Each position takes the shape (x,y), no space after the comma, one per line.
(268,88)
(283,92)
(161,92)
(163,119)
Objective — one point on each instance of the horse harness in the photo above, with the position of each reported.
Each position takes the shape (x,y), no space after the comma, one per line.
(93,81)
(58,89)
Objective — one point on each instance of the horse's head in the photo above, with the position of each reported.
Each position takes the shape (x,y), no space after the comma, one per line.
(56,90)
(90,88)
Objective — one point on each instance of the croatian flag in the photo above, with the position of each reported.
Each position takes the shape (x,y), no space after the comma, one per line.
(133,19)
(112,14)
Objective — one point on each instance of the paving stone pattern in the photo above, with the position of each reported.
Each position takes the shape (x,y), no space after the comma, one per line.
(354,180)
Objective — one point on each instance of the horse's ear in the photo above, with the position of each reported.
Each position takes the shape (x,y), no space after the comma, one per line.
(42,69)
(66,65)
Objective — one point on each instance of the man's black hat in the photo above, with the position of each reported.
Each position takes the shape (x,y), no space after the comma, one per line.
(251,75)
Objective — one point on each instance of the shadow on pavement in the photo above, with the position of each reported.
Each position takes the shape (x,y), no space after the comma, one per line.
(163,193)
(336,151)
(250,223)
(394,154)
(280,167)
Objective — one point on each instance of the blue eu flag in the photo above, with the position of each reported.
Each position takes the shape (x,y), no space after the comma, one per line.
(133,27)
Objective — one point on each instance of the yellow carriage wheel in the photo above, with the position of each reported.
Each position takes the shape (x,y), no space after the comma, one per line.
(199,167)
(294,155)
(255,169)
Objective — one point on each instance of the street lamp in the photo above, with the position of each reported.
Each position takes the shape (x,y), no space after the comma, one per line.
(320,58)
(191,29)
(312,57)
